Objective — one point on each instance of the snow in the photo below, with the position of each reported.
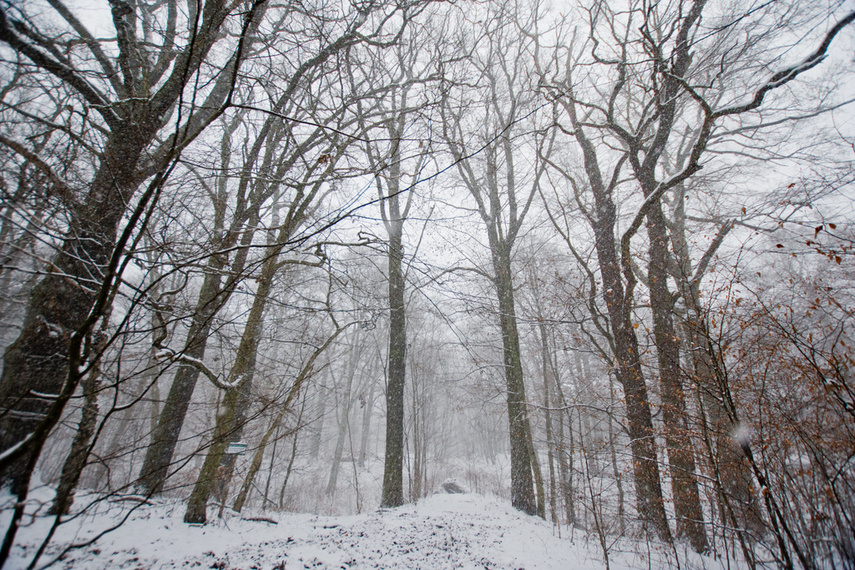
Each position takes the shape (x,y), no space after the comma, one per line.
(742,433)
(465,531)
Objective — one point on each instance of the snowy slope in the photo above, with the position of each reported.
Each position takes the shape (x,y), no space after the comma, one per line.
(443,531)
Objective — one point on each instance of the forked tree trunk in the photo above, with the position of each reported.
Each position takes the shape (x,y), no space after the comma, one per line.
(651,506)
(627,360)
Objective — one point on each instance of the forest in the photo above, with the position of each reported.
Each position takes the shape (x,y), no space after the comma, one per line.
(592,257)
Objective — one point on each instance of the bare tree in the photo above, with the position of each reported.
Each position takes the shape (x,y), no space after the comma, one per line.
(503,193)
(645,126)
(135,94)
(398,163)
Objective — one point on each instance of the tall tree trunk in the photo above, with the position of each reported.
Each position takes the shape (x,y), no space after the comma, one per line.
(619,304)
(651,506)
(393,489)
(681,455)
(37,362)
(565,466)
(231,420)
(522,483)
(550,439)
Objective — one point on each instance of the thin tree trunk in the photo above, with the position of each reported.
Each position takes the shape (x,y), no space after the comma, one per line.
(318,428)
(535,468)
(273,461)
(615,467)
(550,439)
(418,452)
(367,412)
(565,455)
(80,447)
(344,424)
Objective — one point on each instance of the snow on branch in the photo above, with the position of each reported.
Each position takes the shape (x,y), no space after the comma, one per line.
(8,452)
(164,353)
(59,184)
(786,75)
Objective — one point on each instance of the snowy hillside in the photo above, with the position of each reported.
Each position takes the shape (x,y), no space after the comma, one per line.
(442,531)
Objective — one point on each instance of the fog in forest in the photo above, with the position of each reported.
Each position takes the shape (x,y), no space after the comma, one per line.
(592,260)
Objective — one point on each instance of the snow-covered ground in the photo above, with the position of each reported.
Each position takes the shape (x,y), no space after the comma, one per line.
(443,531)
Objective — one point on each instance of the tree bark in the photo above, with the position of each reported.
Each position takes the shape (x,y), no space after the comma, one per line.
(522,483)
(681,455)
(38,360)
(651,507)
(393,489)
(158,457)
(230,422)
